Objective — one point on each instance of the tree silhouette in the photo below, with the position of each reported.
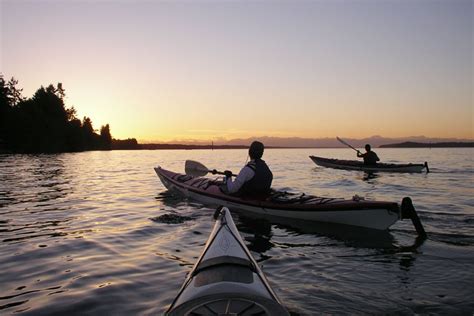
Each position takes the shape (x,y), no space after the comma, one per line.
(105,137)
(4,108)
(43,124)
(10,96)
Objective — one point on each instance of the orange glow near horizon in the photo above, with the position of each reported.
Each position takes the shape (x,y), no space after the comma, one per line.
(200,120)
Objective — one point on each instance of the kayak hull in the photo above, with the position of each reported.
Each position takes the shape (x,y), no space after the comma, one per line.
(226,279)
(358,165)
(357,212)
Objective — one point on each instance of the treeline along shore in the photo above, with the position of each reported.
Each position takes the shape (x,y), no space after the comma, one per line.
(43,124)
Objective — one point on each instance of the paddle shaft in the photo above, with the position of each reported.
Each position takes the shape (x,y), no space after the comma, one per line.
(219,172)
(340,140)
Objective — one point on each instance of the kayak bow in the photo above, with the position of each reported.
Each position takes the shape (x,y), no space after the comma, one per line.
(226,279)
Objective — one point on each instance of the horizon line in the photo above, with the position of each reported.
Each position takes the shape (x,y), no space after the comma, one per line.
(216,142)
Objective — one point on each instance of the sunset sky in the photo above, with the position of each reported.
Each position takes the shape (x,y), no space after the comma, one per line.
(163,71)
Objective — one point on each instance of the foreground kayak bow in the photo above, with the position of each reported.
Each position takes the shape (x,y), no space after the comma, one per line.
(226,280)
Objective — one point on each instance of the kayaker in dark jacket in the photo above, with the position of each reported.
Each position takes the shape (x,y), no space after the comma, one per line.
(253,179)
(370,157)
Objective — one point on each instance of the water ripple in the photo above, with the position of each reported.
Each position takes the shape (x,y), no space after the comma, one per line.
(97,233)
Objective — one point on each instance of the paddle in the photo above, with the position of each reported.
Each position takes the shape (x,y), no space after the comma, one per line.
(197,169)
(347,144)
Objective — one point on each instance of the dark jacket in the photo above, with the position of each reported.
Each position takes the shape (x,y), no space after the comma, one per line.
(261,182)
(370,158)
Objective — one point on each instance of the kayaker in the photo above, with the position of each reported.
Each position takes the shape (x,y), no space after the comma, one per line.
(370,157)
(253,179)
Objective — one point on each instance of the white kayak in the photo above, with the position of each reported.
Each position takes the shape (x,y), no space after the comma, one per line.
(226,280)
(356,211)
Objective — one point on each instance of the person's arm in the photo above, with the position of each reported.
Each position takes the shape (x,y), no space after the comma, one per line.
(244,175)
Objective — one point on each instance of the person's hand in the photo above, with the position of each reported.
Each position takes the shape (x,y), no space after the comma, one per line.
(214,171)
(228,173)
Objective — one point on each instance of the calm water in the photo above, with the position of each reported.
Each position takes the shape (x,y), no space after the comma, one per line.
(79,235)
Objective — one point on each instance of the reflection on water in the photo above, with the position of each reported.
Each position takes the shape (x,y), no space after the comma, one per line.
(259,236)
(259,233)
(370,177)
(96,233)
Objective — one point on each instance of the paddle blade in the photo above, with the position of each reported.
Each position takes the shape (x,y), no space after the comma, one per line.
(342,141)
(195,168)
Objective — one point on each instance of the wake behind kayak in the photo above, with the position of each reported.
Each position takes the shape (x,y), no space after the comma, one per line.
(226,279)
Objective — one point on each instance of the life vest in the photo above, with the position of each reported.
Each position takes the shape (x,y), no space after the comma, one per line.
(261,182)
(370,158)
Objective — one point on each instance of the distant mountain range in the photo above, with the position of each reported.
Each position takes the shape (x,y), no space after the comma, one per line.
(429,145)
(328,142)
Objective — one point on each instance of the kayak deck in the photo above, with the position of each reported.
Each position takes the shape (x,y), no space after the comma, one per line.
(358,165)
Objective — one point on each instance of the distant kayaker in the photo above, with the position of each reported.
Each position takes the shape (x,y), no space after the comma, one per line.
(370,157)
(253,179)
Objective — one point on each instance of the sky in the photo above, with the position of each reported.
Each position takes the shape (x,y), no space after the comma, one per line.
(206,70)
